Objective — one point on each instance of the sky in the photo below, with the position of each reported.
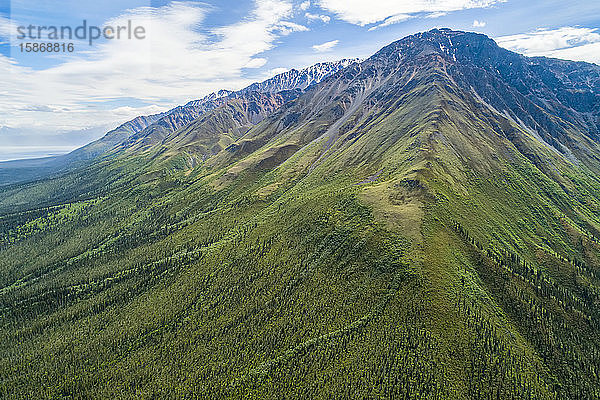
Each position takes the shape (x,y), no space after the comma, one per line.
(53,102)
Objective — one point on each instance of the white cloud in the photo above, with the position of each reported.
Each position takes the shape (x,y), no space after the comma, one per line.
(305,5)
(256,63)
(588,52)
(179,60)
(436,14)
(571,43)
(287,27)
(478,24)
(7,27)
(277,71)
(318,17)
(391,20)
(361,12)
(325,46)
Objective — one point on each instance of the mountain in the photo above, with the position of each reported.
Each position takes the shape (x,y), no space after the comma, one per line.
(152,128)
(284,82)
(420,224)
(113,137)
(180,116)
(299,79)
(211,132)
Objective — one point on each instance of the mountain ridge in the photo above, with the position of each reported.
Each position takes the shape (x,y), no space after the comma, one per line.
(161,124)
(409,227)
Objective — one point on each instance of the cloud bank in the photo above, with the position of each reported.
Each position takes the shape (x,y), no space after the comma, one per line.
(570,43)
(325,46)
(362,12)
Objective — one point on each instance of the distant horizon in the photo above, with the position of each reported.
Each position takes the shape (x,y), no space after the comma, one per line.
(35,153)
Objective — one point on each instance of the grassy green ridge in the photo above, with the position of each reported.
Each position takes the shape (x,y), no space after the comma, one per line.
(417,251)
(348,261)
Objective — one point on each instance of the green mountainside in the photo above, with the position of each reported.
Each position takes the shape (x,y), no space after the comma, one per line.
(424,224)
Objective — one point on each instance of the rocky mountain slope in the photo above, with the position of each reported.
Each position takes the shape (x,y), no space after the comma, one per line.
(421,224)
(153,128)
(284,82)
(300,79)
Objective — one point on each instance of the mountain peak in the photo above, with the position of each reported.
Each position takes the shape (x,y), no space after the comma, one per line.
(441,41)
(443,34)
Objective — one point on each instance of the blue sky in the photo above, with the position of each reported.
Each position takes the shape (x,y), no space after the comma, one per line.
(53,102)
